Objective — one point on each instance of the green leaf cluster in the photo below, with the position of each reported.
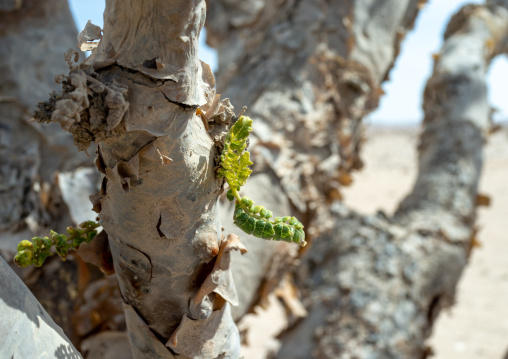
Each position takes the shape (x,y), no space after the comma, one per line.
(254,220)
(235,161)
(258,221)
(39,248)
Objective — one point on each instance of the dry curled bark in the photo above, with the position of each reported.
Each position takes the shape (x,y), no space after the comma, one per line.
(137,97)
(372,285)
(309,71)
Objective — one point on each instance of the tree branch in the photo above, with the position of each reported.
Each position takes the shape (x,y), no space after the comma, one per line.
(27,330)
(309,71)
(378,286)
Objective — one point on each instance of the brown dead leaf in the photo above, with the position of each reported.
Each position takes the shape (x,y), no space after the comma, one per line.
(489,44)
(483,200)
(475,242)
(203,117)
(97,252)
(379,91)
(220,280)
(345,178)
(334,195)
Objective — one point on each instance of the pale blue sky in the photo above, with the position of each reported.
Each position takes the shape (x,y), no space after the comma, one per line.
(401,104)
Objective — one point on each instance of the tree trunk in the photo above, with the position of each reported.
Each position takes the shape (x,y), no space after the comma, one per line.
(395,274)
(372,285)
(309,71)
(137,97)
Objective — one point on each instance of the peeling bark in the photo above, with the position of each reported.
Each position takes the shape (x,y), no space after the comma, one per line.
(137,97)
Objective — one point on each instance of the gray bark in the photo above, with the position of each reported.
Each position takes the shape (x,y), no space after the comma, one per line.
(380,284)
(26,329)
(137,97)
(309,71)
(372,285)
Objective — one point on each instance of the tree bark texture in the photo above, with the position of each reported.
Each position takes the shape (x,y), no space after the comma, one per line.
(137,97)
(372,285)
(309,71)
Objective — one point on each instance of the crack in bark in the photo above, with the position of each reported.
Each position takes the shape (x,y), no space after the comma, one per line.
(433,309)
(179,103)
(159,227)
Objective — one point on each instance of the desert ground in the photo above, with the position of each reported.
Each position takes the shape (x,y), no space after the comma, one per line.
(476,327)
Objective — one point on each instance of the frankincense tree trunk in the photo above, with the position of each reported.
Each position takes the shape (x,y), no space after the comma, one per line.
(395,274)
(137,97)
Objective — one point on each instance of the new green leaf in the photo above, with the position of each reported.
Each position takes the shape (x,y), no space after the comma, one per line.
(255,220)
(39,248)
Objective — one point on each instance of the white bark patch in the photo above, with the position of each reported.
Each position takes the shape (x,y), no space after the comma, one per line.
(76,188)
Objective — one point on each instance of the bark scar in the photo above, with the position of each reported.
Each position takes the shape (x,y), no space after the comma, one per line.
(146,255)
(159,227)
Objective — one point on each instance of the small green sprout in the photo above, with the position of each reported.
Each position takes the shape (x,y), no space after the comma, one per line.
(255,220)
(39,248)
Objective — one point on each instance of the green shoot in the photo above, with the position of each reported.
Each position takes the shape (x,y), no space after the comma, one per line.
(38,249)
(255,220)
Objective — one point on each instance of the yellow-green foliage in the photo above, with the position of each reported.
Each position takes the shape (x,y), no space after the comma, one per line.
(235,161)
(39,248)
(255,220)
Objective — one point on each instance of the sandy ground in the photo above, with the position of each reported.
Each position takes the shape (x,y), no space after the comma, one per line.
(477,326)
